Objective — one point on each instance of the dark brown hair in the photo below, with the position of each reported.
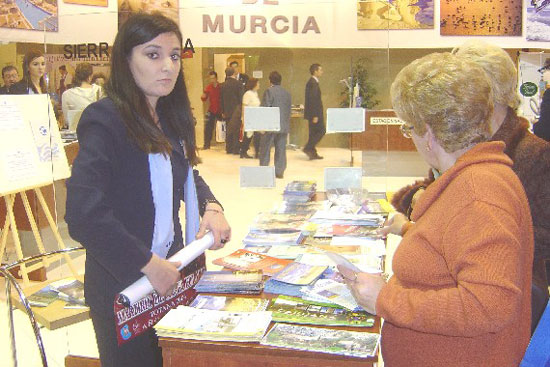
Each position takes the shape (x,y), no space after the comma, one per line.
(81,73)
(251,83)
(174,109)
(275,78)
(29,57)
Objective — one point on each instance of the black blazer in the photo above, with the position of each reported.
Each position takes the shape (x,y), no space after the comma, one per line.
(313,105)
(231,96)
(20,87)
(243,78)
(110,207)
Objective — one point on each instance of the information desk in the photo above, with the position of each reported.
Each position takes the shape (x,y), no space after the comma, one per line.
(199,353)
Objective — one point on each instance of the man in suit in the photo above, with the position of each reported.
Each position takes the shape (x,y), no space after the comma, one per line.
(243,78)
(313,112)
(231,96)
(276,96)
(10,76)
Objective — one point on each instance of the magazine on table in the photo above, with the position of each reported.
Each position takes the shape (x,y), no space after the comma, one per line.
(308,208)
(365,263)
(300,311)
(368,246)
(246,260)
(343,342)
(299,274)
(229,303)
(331,291)
(356,231)
(239,282)
(70,289)
(273,237)
(202,324)
(43,297)
(275,287)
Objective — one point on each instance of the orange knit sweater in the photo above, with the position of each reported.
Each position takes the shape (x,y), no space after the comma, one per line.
(461,290)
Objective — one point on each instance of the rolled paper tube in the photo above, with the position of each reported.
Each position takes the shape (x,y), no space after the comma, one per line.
(142,287)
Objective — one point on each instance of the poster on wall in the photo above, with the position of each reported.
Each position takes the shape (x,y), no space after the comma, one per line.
(480,18)
(88,2)
(538,20)
(128,7)
(395,14)
(29,14)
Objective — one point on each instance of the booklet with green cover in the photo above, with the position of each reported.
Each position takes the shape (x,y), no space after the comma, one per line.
(344,342)
(299,311)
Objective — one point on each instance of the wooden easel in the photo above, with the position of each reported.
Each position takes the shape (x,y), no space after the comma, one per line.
(35,158)
(10,224)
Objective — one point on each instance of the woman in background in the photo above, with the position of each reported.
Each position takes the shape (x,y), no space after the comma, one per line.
(250,99)
(77,98)
(461,290)
(137,150)
(34,68)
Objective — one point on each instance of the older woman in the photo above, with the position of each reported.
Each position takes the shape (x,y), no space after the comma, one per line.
(460,294)
(530,154)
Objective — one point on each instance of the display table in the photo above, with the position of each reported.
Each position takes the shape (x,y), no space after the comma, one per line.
(199,353)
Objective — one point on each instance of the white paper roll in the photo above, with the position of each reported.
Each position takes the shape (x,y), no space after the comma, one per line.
(142,287)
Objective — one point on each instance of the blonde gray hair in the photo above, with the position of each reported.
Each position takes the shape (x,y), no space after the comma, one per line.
(498,66)
(451,95)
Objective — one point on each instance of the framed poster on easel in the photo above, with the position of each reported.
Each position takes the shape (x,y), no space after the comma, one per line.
(31,157)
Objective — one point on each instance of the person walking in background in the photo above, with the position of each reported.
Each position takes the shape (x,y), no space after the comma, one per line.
(231,95)
(250,99)
(313,112)
(10,76)
(63,82)
(243,78)
(212,94)
(276,96)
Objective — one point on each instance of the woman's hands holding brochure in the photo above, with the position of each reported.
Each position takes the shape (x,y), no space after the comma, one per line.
(365,287)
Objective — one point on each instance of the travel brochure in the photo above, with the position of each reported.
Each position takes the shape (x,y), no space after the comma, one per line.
(310,290)
(300,311)
(331,291)
(223,303)
(299,274)
(343,342)
(246,260)
(273,237)
(203,324)
(238,282)
(70,290)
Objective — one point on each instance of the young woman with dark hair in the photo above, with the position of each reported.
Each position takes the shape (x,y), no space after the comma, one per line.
(137,150)
(34,68)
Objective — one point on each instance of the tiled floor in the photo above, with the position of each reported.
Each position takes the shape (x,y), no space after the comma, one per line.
(221,172)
